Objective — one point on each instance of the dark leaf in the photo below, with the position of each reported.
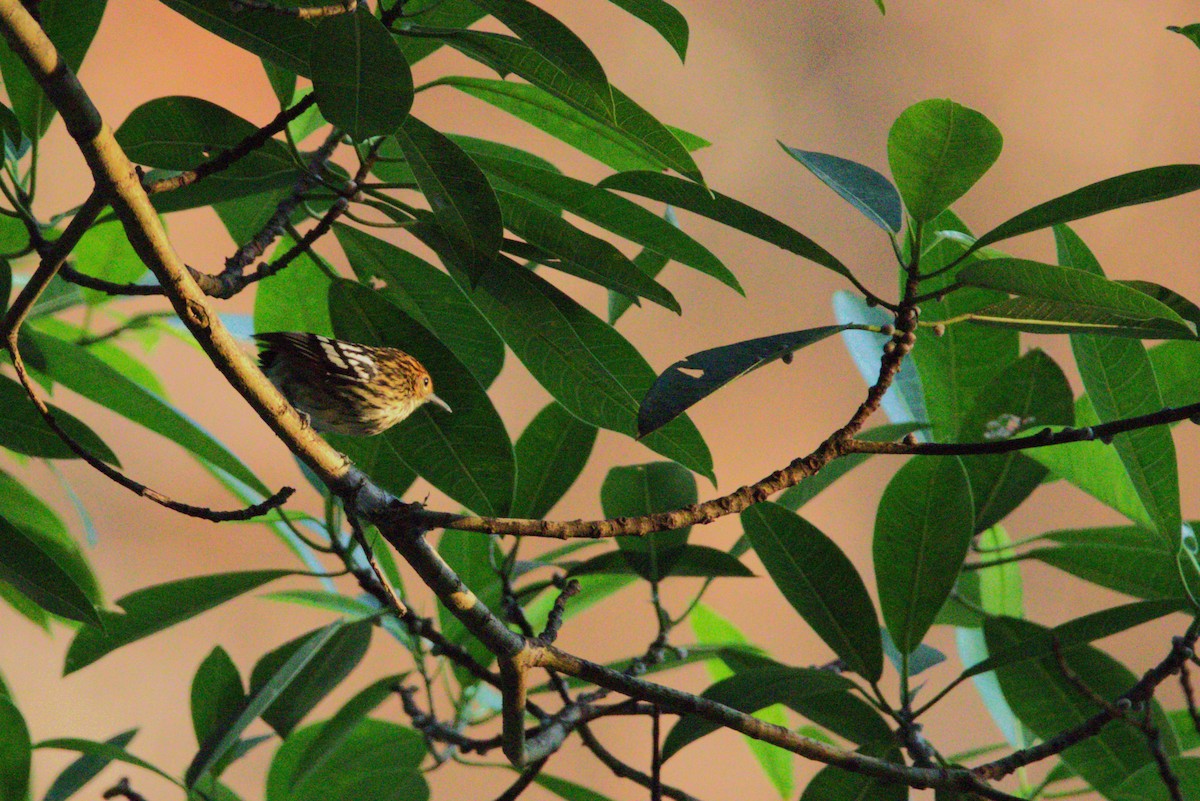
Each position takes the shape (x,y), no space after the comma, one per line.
(820,583)
(153,609)
(836,784)
(217,694)
(16,753)
(1129,559)
(1146,783)
(922,531)
(473,559)
(647,489)
(23,430)
(862,187)
(362,82)
(664,18)
(550,454)
(108,751)
(281,39)
(45,571)
(693,560)
(690,380)
(84,769)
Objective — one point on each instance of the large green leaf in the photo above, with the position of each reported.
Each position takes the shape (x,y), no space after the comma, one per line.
(80,371)
(377,761)
(695,377)
(463,203)
(1132,188)
(1031,392)
(339,654)
(550,453)
(427,295)
(664,18)
(283,302)
(646,489)
(1129,559)
(612,212)
(618,144)
(820,583)
(862,187)
(181,133)
(105,252)
(360,77)
(467,453)
(70,25)
(1067,298)
(819,695)
(281,39)
(16,752)
(153,609)
(268,689)
(1120,382)
(723,209)
(217,694)
(584,363)
(1048,703)
(937,150)
(23,430)
(922,531)
(578,253)
(1146,783)
(48,571)
(27,512)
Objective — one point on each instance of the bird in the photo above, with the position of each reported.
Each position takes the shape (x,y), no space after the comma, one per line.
(344,387)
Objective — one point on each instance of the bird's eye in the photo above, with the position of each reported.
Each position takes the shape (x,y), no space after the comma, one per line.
(425,380)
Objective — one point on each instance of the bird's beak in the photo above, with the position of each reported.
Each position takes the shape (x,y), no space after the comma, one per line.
(440,402)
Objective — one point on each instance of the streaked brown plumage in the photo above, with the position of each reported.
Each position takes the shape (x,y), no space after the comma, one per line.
(345,387)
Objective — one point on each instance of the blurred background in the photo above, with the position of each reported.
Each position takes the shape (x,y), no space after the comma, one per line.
(1081,90)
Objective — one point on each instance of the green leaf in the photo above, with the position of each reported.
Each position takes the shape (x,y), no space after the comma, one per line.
(611,212)
(339,653)
(1128,559)
(105,252)
(217,694)
(584,363)
(795,497)
(334,602)
(108,751)
(1175,366)
(550,455)
(922,531)
(279,38)
(467,453)
(693,560)
(70,25)
(16,753)
(23,430)
(1046,702)
(283,301)
(568,790)
(1033,391)
(1120,383)
(723,209)
(617,143)
(551,39)
(695,377)
(862,187)
(647,489)
(78,370)
(45,571)
(1132,188)
(820,583)
(447,14)
(84,769)
(818,694)
(264,691)
(463,203)
(580,254)
(1168,297)
(664,18)
(335,732)
(1041,643)
(427,295)
(153,609)
(937,150)
(836,784)
(1190,32)
(957,366)
(360,77)
(41,525)
(377,761)
(181,133)
(1071,300)
(1146,783)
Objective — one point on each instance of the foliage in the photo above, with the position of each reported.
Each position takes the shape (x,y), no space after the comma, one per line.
(985,418)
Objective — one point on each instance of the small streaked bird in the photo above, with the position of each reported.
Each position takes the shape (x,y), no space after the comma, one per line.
(345,387)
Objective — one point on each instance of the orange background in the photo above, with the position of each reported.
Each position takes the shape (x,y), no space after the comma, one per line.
(1081,89)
